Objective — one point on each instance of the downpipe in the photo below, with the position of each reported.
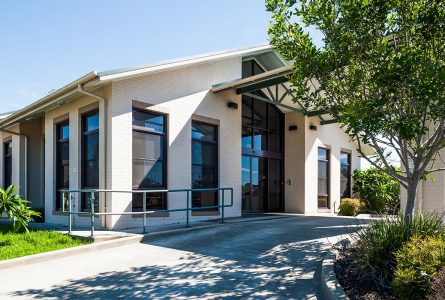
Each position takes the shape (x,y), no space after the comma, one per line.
(102,141)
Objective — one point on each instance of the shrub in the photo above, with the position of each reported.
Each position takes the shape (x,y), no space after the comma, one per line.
(41,218)
(16,209)
(376,245)
(438,287)
(350,207)
(418,261)
(379,191)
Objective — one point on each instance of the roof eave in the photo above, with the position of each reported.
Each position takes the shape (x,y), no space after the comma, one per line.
(47,100)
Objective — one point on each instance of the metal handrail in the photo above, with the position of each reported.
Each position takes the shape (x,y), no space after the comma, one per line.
(144,211)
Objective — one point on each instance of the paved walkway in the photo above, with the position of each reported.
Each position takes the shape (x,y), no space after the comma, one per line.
(273,259)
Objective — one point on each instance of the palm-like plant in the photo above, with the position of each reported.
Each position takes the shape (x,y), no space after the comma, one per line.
(16,209)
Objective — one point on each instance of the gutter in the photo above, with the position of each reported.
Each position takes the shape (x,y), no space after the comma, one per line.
(25,194)
(48,100)
(102,145)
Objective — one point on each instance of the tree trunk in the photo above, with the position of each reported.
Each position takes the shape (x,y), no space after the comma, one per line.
(411,199)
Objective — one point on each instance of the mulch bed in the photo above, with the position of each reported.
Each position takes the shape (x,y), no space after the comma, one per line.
(355,288)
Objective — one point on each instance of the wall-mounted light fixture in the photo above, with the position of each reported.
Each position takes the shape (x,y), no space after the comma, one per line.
(293,127)
(232,105)
(313,127)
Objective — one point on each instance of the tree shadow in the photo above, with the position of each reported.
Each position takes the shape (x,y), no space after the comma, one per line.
(273,263)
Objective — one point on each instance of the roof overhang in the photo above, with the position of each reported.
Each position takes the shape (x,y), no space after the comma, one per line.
(89,81)
(275,88)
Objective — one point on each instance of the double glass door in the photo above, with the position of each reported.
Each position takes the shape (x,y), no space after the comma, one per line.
(261,184)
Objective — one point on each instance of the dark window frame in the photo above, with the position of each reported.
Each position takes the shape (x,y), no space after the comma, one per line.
(59,143)
(164,134)
(7,161)
(215,159)
(264,130)
(84,133)
(328,176)
(349,178)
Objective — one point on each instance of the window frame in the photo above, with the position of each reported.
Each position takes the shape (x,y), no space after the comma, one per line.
(164,134)
(59,141)
(84,133)
(265,131)
(7,144)
(215,159)
(349,178)
(328,177)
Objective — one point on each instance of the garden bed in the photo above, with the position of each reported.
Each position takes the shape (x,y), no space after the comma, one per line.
(354,288)
(14,245)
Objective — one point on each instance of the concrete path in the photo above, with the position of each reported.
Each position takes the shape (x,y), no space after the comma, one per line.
(273,259)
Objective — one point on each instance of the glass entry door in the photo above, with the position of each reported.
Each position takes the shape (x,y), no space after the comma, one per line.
(261,185)
(254,184)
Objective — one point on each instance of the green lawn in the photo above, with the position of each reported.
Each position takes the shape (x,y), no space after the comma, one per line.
(37,241)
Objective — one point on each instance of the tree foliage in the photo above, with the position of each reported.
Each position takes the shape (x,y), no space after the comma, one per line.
(380,73)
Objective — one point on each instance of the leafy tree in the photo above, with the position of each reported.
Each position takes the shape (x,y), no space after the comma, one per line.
(380,73)
(15,208)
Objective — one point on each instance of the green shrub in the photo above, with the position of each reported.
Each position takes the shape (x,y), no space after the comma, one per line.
(418,261)
(15,208)
(376,245)
(350,207)
(438,286)
(378,190)
(41,218)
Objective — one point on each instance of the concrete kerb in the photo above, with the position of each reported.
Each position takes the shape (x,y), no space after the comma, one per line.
(332,289)
(41,257)
(116,242)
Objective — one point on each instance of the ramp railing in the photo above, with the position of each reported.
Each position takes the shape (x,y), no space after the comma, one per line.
(67,207)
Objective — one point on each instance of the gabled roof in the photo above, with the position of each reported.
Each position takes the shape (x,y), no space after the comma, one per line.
(181,62)
(94,79)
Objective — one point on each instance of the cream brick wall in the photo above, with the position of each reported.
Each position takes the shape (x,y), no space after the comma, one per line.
(180,94)
(183,94)
(294,166)
(72,111)
(334,138)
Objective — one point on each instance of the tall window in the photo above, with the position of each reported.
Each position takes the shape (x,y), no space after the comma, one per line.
(323,178)
(7,171)
(90,157)
(262,127)
(149,159)
(62,161)
(204,164)
(345,175)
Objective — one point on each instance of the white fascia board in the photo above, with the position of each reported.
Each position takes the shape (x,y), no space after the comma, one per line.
(176,64)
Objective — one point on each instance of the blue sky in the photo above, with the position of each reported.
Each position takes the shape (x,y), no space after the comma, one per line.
(46,44)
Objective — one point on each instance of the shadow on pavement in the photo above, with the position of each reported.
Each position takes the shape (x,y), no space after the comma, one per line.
(257,260)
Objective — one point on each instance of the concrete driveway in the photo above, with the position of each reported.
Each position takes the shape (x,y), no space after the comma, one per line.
(253,259)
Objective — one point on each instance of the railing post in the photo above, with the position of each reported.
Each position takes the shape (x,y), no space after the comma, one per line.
(144,209)
(70,215)
(92,213)
(222,206)
(188,208)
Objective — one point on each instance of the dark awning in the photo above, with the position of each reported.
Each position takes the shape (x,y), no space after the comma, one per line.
(275,86)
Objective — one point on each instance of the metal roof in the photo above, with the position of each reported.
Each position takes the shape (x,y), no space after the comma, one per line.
(185,61)
(94,79)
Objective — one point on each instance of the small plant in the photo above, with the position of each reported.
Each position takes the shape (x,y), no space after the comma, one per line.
(350,207)
(378,190)
(438,287)
(375,247)
(16,209)
(418,261)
